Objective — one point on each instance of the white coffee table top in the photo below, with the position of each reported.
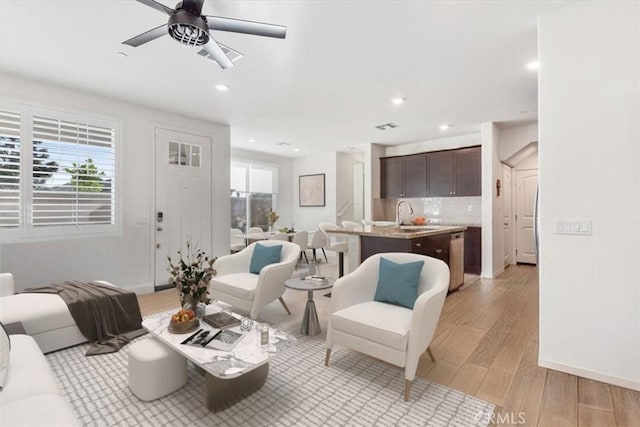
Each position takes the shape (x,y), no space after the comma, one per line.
(308,285)
(247,355)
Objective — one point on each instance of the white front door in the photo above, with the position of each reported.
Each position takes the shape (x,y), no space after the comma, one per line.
(506,214)
(183,197)
(526,185)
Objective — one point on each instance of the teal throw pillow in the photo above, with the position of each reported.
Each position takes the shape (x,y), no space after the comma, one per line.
(264,255)
(398,283)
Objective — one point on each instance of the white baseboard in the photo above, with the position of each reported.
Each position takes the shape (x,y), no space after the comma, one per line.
(492,276)
(621,382)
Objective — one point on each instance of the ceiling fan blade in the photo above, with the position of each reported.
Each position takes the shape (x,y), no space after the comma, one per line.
(157,6)
(217,54)
(219,23)
(147,36)
(193,6)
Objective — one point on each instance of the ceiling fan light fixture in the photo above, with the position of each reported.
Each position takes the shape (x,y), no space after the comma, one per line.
(188,29)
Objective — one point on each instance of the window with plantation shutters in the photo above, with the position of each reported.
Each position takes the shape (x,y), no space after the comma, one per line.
(57,173)
(73,173)
(10,148)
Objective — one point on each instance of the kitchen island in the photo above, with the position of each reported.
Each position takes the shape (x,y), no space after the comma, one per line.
(433,240)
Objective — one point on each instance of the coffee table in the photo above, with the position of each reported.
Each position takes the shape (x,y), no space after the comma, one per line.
(230,376)
(310,324)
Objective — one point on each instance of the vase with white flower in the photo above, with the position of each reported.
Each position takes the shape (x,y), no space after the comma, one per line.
(191,275)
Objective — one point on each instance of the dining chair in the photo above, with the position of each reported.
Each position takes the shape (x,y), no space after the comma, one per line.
(351,225)
(301,238)
(319,240)
(237,241)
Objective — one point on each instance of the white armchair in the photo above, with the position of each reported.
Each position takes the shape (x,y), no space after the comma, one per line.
(395,334)
(235,285)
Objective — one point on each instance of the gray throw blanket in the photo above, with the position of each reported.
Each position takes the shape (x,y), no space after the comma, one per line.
(107,316)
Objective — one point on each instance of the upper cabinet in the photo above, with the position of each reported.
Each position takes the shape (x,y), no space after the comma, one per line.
(404,176)
(447,173)
(468,172)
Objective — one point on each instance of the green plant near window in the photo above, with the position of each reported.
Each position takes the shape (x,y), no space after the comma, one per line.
(86,177)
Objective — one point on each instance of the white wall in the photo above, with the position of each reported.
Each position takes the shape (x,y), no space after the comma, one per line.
(285,200)
(126,259)
(514,139)
(307,218)
(373,206)
(492,224)
(589,93)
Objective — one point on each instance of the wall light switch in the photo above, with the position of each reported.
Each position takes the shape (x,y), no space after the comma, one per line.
(579,227)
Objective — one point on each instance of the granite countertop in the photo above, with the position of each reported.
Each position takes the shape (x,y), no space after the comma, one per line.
(404,232)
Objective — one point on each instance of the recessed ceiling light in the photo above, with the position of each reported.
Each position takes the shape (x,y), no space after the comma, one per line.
(251,140)
(283,144)
(296,150)
(445,126)
(222,87)
(532,66)
(397,100)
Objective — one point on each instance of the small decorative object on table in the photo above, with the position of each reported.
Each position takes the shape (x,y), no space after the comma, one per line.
(192,276)
(246,323)
(273,218)
(221,320)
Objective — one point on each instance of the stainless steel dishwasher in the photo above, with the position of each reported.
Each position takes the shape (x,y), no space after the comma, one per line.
(456,261)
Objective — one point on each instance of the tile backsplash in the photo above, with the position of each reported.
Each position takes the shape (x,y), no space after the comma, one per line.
(445,210)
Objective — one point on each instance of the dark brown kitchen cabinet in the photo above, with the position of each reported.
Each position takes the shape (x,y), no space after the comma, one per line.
(433,246)
(455,172)
(440,173)
(404,176)
(391,177)
(473,250)
(468,172)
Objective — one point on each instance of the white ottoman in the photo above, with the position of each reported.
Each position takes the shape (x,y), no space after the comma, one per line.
(155,370)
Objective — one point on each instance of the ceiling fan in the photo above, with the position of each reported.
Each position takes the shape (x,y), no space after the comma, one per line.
(189,27)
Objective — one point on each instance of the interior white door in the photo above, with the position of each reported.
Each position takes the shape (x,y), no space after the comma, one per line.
(358,191)
(183,197)
(507,214)
(526,185)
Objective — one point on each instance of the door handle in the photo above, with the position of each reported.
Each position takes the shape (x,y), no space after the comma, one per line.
(160,228)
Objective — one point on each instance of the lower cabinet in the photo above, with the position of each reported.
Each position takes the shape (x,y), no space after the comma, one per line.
(473,250)
(433,246)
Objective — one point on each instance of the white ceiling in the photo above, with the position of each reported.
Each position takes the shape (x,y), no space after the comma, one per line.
(326,86)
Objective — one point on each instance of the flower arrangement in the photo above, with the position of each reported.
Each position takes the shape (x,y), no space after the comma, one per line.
(192,275)
(273,217)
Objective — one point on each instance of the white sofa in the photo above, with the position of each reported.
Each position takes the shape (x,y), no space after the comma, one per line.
(30,396)
(45,317)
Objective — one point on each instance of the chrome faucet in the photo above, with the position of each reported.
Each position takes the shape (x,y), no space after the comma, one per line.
(400,202)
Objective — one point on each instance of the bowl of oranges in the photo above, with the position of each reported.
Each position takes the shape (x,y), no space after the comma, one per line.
(183,321)
(419,220)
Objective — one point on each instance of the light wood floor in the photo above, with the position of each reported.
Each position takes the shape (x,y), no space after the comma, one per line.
(486,345)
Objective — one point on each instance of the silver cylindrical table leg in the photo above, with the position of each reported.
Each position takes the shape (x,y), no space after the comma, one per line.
(310,324)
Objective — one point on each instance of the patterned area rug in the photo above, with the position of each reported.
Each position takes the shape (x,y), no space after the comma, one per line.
(354,390)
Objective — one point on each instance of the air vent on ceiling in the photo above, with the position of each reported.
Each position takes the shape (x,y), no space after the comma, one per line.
(233,55)
(387,126)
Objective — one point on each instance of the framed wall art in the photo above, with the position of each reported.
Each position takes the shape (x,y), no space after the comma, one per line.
(311,190)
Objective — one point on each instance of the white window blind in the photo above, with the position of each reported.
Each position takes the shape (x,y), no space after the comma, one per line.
(73,173)
(10,206)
